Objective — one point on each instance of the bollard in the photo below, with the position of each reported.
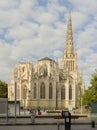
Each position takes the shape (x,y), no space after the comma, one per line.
(67,126)
(33,114)
(93,124)
(58,126)
(33,118)
(7,118)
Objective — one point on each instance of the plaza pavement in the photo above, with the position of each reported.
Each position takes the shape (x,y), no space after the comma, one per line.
(43,121)
(27,120)
(44,124)
(47,127)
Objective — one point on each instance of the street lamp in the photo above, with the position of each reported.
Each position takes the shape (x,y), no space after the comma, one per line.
(24,97)
(81,101)
(24,106)
(15,89)
(15,99)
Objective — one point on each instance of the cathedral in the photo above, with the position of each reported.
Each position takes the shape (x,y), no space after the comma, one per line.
(45,84)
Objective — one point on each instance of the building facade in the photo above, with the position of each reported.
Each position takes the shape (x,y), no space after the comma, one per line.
(45,84)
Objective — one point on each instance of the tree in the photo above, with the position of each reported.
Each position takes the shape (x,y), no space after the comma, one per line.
(3,89)
(90,94)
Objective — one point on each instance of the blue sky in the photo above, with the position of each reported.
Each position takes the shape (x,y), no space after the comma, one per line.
(32,29)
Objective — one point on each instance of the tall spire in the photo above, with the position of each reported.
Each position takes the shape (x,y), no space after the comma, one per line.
(69,61)
(69,38)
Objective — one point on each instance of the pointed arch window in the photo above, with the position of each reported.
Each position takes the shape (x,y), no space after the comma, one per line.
(50,91)
(34,90)
(63,92)
(70,92)
(25,92)
(42,90)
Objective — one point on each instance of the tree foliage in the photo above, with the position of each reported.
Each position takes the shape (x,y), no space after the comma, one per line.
(90,94)
(3,89)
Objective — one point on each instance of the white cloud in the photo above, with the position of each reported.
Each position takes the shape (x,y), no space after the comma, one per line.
(84,52)
(79,19)
(87,7)
(10,18)
(5,52)
(87,38)
(46,18)
(29,29)
(24,31)
(58,53)
(88,66)
(7,4)
(27,4)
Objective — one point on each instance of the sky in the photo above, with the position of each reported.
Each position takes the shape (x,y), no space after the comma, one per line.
(33,29)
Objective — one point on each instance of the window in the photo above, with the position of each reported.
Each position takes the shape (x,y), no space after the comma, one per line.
(63,92)
(34,90)
(70,92)
(50,91)
(42,90)
(23,69)
(24,92)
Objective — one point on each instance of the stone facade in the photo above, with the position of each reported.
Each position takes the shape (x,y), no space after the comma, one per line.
(46,85)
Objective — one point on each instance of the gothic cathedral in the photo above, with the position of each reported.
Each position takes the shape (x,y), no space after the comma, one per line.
(46,85)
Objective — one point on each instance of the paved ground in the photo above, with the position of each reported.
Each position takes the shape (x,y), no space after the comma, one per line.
(47,127)
(25,124)
(42,120)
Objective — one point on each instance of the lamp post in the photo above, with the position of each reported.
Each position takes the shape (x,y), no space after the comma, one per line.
(15,100)
(81,105)
(24,107)
(24,97)
(15,89)
(81,101)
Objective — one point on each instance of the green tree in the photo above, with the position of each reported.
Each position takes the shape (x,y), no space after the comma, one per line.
(3,89)
(90,94)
